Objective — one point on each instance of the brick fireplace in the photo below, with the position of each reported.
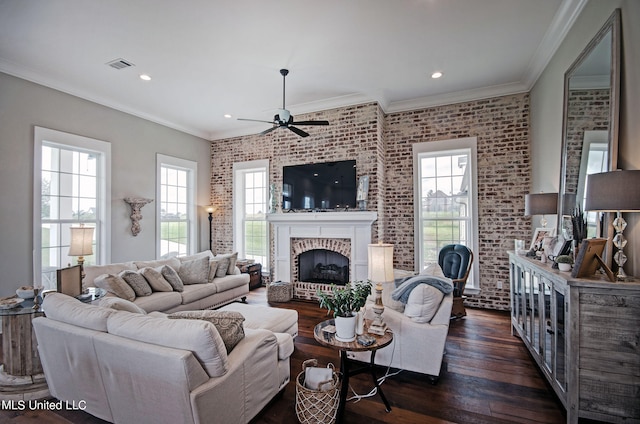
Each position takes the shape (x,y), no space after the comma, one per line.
(346,233)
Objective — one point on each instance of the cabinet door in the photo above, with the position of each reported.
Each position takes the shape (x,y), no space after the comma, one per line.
(547,318)
(560,336)
(535,311)
(516,295)
(526,304)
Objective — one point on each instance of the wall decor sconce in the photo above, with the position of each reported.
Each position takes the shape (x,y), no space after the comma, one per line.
(136,204)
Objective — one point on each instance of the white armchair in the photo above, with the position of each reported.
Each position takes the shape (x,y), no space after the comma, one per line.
(419,332)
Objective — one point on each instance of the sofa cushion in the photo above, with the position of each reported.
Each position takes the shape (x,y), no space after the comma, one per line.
(197,336)
(172,262)
(159,301)
(120,305)
(172,277)
(155,279)
(195,271)
(63,308)
(229,282)
(277,320)
(115,285)
(228,324)
(285,345)
(93,271)
(194,292)
(424,301)
(387,300)
(137,282)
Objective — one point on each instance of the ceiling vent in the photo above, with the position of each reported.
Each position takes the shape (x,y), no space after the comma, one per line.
(120,64)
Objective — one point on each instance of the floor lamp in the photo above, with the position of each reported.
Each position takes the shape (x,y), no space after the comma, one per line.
(210,211)
(615,191)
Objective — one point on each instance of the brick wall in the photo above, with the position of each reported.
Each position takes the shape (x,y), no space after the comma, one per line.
(382,147)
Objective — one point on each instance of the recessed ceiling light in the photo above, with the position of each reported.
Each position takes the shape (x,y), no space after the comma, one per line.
(436,75)
(226,115)
(145,77)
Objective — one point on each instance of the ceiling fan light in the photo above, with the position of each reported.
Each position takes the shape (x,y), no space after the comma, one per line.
(436,75)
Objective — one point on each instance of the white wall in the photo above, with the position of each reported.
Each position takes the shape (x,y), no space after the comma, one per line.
(134,144)
(547,100)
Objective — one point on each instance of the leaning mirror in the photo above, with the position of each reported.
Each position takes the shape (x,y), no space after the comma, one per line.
(590,122)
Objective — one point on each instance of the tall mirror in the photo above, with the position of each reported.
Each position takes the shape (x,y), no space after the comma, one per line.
(590,121)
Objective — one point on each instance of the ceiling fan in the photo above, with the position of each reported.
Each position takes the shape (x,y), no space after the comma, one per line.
(284,118)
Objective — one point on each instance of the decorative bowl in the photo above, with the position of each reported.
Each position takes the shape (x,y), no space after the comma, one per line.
(25,292)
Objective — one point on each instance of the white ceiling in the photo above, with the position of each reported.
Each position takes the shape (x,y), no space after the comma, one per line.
(208,58)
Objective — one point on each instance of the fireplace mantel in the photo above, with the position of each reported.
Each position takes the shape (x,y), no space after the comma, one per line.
(355,226)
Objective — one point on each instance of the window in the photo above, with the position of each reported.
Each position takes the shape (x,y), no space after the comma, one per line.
(446,199)
(176,232)
(71,188)
(250,198)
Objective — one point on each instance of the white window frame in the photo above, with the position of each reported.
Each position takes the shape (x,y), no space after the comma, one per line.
(192,171)
(46,136)
(444,146)
(239,169)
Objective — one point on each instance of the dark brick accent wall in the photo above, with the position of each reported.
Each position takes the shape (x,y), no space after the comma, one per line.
(382,147)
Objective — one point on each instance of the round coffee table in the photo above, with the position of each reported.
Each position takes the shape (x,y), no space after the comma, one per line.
(328,339)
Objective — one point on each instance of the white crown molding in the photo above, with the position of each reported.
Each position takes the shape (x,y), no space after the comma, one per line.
(563,20)
(35,77)
(456,97)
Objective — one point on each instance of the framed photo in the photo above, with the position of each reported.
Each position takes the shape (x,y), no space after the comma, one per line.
(559,246)
(363,188)
(590,259)
(538,237)
(70,280)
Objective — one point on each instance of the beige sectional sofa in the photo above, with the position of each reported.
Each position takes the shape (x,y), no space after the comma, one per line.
(126,367)
(209,292)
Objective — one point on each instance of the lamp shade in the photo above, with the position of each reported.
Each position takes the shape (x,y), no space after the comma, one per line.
(210,209)
(540,204)
(81,241)
(380,262)
(613,191)
(568,203)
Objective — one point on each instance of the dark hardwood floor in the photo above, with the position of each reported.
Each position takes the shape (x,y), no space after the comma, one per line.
(487,377)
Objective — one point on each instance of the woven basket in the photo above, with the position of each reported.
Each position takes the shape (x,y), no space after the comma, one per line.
(314,406)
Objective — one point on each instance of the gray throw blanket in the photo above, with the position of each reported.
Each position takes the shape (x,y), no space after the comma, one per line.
(405,285)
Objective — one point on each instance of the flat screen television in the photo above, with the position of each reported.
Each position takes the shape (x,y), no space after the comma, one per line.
(319,186)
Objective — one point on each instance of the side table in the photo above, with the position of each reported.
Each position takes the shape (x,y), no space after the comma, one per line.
(21,376)
(255,274)
(329,340)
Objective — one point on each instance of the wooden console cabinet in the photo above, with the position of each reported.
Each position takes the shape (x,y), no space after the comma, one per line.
(255,275)
(584,334)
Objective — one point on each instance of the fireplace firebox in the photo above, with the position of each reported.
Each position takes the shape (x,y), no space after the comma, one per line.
(323,266)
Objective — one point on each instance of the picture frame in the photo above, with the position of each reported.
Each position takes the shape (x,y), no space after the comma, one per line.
(69,280)
(363,188)
(559,246)
(590,259)
(538,237)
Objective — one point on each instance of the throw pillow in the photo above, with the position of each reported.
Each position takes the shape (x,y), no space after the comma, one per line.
(121,305)
(230,259)
(115,285)
(387,300)
(213,268)
(424,301)
(172,277)
(172,262)
(155,279)
(137,282)
(223,266)
(228,324)
(195,271)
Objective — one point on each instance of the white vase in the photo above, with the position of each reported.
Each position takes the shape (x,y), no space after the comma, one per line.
(360,322)
(564,267)
(346,328)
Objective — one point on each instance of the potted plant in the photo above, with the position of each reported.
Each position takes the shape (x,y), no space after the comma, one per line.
(344,302)
(564,262)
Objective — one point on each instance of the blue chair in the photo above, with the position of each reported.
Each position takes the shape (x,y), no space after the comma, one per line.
(455,261)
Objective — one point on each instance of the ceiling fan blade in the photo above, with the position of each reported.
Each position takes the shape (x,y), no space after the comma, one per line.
(268,130)
(310,123)
(299,131)
(255,120)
